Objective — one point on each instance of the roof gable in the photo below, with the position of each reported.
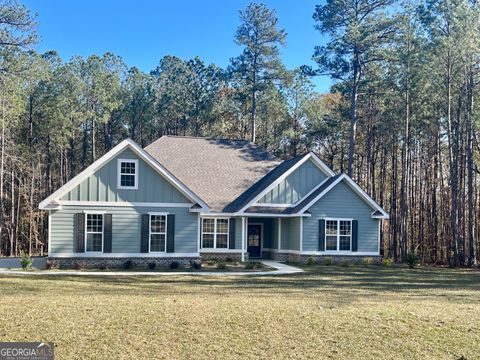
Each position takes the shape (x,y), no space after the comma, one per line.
(109,156)
(330,184)
(102,185)
(296,185)
(273,178)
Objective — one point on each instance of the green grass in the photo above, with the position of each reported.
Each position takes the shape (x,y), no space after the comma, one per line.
(329,312)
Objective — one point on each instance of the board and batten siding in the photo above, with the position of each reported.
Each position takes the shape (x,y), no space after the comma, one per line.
(296,185)
(126,226)
(102,185)
(342,202)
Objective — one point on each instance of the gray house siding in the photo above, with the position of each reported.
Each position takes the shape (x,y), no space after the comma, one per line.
(290,234)
(342,202)
(296,185)
(102,186)
(125,228)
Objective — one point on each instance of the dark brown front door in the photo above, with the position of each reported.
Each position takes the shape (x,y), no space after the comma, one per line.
(254,241)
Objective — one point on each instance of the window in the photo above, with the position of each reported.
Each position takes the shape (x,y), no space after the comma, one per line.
(158,232)
(94,232)
(215,233)
(127,174)
(338,235)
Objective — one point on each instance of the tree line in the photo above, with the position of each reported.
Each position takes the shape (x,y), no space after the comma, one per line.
(400,118)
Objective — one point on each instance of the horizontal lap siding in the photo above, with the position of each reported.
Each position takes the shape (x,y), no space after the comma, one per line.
(290,234)
(296,185)
(125,228)
(238,232)
(102,185)
(342,202)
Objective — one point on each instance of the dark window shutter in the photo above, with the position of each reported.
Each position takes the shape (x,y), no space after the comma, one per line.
(80,238)
(321,235)
(107,233)
(145,232)
(231,233)
(170,233)
(354,235)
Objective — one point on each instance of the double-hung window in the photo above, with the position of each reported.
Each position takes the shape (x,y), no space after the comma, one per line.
(127,174)
(94,232)
(338,235)
(215,233)
(158,232)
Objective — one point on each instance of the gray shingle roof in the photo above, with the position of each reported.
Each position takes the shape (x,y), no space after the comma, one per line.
(217,170)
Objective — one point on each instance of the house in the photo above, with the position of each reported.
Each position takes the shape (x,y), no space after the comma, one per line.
(184,198)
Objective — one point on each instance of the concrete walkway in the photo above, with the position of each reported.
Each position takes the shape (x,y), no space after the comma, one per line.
(281,269)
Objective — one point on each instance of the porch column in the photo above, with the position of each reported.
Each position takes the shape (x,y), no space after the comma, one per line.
(243,239)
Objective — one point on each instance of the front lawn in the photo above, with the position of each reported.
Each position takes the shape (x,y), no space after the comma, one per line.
(329,312)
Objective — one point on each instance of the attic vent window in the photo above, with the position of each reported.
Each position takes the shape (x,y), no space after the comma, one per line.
(127,174)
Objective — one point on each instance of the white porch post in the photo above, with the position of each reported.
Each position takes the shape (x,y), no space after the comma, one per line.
(243,239)
(301,234)
(279,233)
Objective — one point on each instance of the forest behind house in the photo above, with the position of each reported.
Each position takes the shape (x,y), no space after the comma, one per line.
(401,118)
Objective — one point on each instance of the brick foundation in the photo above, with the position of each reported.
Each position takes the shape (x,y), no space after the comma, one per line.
(320,259)
(118,263)
(223,256)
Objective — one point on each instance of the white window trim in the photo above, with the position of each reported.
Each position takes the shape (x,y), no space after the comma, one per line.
(150,214)
(87,232)
(338,251)
(215,233)
(119,174)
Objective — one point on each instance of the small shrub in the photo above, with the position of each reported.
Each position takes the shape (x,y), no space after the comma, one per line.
(196,264)
(152,265)
(210,262)
(388,262)
(367,261)
(79,265)
(51,264)
(128,264)
(345,263)
(328,261)
(229,259)
(412,260)
(249,265)
(103,267)
(221,265)
(253,265)
(26,262)
(174,265)
(311,260)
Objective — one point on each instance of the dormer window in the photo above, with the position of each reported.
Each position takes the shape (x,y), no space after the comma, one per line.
(127,174)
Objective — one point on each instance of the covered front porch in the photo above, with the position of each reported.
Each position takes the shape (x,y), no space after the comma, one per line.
(268,237)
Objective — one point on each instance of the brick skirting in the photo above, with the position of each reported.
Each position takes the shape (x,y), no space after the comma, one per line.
(336,259)
(223,256)
(117,263)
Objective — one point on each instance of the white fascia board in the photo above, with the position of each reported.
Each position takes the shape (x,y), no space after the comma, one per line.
(106,158)
(316,160)
(238,214)
(123,204)
(321,165)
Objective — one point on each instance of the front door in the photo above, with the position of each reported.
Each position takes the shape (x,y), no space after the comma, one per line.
(254,240)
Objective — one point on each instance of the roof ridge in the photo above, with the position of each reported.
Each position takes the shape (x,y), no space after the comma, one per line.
(205,138)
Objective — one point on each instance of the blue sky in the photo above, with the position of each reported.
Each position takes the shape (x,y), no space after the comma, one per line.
(142,32)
